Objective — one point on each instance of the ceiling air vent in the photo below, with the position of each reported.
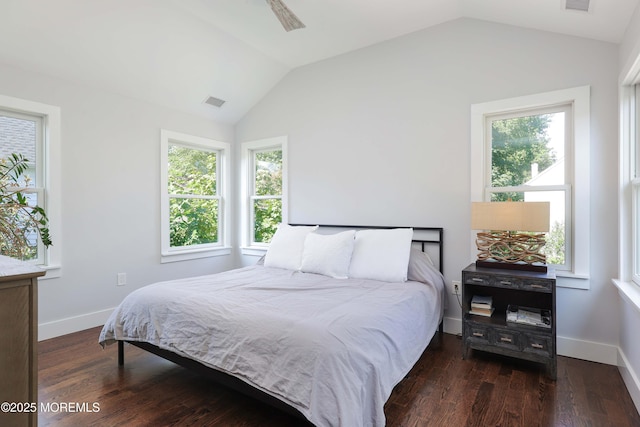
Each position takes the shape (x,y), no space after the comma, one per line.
(216,102)
(581,5)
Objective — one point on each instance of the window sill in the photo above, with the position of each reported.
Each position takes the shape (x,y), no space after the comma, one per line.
(194,254)
(629,291)
(254,250)
(567,279)
(53,271)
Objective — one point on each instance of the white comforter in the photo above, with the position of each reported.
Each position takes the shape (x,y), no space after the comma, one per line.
(333,349)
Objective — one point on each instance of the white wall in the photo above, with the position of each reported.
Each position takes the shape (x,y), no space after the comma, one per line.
(381,136)
(110,198)
(629,346)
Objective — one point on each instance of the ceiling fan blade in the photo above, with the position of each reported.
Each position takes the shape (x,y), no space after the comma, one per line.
(287,18)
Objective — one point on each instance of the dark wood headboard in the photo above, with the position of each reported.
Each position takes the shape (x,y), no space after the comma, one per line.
(430,236)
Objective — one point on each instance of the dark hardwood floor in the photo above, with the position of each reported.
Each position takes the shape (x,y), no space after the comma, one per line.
(441,390)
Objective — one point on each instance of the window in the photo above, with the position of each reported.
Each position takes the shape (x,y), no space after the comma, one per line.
(266,194)
(629,180)
(194,209)
(33,130)
(634,169)
(628,282)
(22,134)
(536,148)
(527,152)
(264,190)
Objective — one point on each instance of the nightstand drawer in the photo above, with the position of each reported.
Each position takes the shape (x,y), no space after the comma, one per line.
(538,344)
(478,334)
(537,285)
(478,279)
(507,282)
(506,339)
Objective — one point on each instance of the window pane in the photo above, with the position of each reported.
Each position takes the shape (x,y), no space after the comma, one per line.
(17,220)
(555,247)
(19,136)
(30,231)
(528,150)
(193,221)
(191,171)
(268,173)
(267,214)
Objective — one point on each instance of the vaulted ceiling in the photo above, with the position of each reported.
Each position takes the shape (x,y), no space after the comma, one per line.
(177,53)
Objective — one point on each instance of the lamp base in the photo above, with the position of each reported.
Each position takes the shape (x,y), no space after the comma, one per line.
(539,268)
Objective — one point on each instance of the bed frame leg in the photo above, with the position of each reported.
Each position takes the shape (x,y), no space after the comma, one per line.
(120,353)
(441,328)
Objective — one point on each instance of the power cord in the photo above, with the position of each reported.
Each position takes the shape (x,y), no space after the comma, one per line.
(457,289)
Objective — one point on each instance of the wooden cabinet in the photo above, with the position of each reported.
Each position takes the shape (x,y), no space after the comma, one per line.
(494,334)
(18,342)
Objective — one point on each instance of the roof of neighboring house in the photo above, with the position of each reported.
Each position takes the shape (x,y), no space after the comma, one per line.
(17,136)
(548,176)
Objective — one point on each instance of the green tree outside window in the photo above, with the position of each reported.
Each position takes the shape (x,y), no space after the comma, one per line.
(267,199)
(193,201)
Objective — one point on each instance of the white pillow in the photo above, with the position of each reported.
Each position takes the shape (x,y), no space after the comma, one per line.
(381,254)
(328,254)
(285,249)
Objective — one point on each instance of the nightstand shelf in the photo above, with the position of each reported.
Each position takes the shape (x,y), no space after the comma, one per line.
(494,334)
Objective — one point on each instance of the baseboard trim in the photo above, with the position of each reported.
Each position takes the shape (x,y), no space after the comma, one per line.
(630,378)
(69,325)
(452,326)
(587,350)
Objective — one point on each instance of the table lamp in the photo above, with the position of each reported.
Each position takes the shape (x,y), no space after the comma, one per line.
(513,234)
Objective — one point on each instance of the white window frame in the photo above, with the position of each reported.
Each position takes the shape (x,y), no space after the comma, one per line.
(223,246)
(48,175)
(628,282)
(249,148)
(631,174)
(579,98)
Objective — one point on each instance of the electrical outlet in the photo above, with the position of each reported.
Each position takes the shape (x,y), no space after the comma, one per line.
(122,279)
(456,287)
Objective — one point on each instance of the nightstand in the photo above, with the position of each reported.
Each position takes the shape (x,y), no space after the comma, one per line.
(515,288)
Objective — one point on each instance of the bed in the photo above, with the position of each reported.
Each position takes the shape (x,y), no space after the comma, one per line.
(324,326)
